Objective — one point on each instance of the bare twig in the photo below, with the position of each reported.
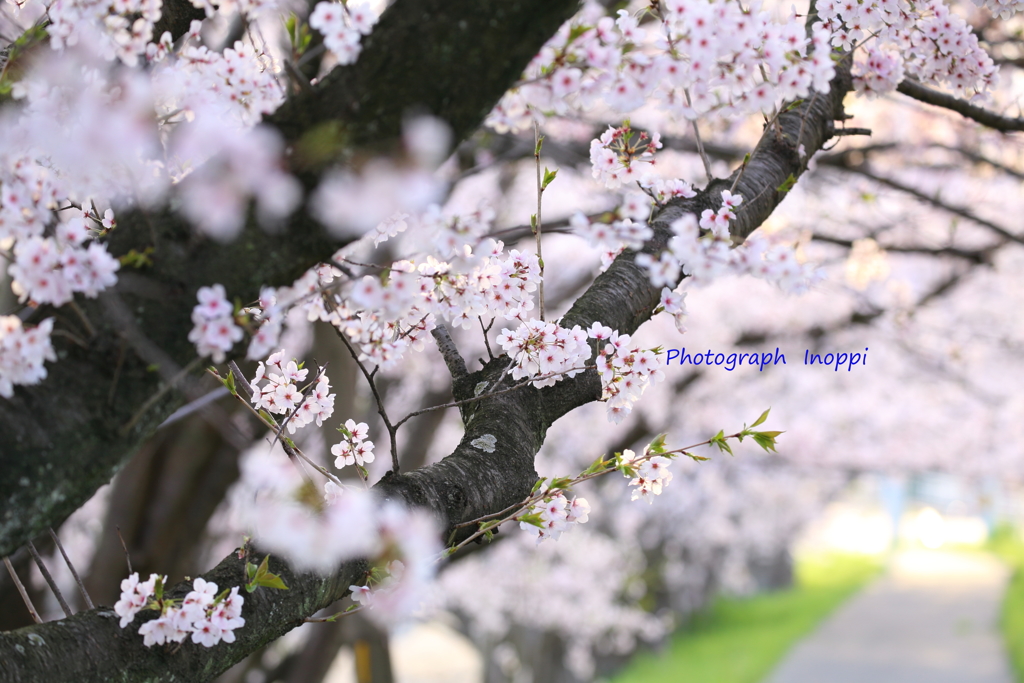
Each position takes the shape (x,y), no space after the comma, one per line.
(127,557)
(838,132)
(455,404)
(485,330)
(392,429)
(81,586)
(934,201)
(21,589)
(538,140)
(49,579)
(160,393)
(700,143)
(334,617)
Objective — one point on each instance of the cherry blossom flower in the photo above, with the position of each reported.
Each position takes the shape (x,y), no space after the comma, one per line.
(215,331)
(23,351)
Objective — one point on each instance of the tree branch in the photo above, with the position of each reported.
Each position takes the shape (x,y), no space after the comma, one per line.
(983,116)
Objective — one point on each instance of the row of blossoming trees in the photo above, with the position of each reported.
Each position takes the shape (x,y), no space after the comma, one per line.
(184,186)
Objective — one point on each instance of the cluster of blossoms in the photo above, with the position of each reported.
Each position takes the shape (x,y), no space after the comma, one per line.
(1004,9)
(282,395)
(712,256)
(215,330)
(119,29)
(673,302)
(926,39)
(22,352)
(625,372)
(617,159)
(879,74)
(289,517)
(204,614)
(384,318)
(353,449)
(555,514)
(714,57)
(545,350)
(48,270)
(649,474)
(131,137)
(627,228)
(342,25)
(401,591)
(272,308)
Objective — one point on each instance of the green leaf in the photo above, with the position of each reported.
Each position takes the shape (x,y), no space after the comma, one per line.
(764,416)
(229,382)
(696,458)
(787,184)
(559,483)
(719,440)
(765,440)
(533,518)
(548,177)
(658,445)
(136,259)
(596,466)
(264,568)
(540,143)
(538,484)
(272,581)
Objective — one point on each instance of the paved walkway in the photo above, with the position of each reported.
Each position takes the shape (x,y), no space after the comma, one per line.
(933,618)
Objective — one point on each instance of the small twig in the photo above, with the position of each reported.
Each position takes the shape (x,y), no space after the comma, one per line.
(485,330)
(21,589)
(78,580)
(297,77)
(240,381)
(117,372)
(450,352)
(700,143)
(377,397)
(455,404)
(127,557)
(838,132)
(513,511)
(538,140)
(151,401)
(49,579)
(333,617)
(81,316)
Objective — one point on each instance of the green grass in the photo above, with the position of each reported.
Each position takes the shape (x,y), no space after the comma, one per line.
(739,640)
(1006,543)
